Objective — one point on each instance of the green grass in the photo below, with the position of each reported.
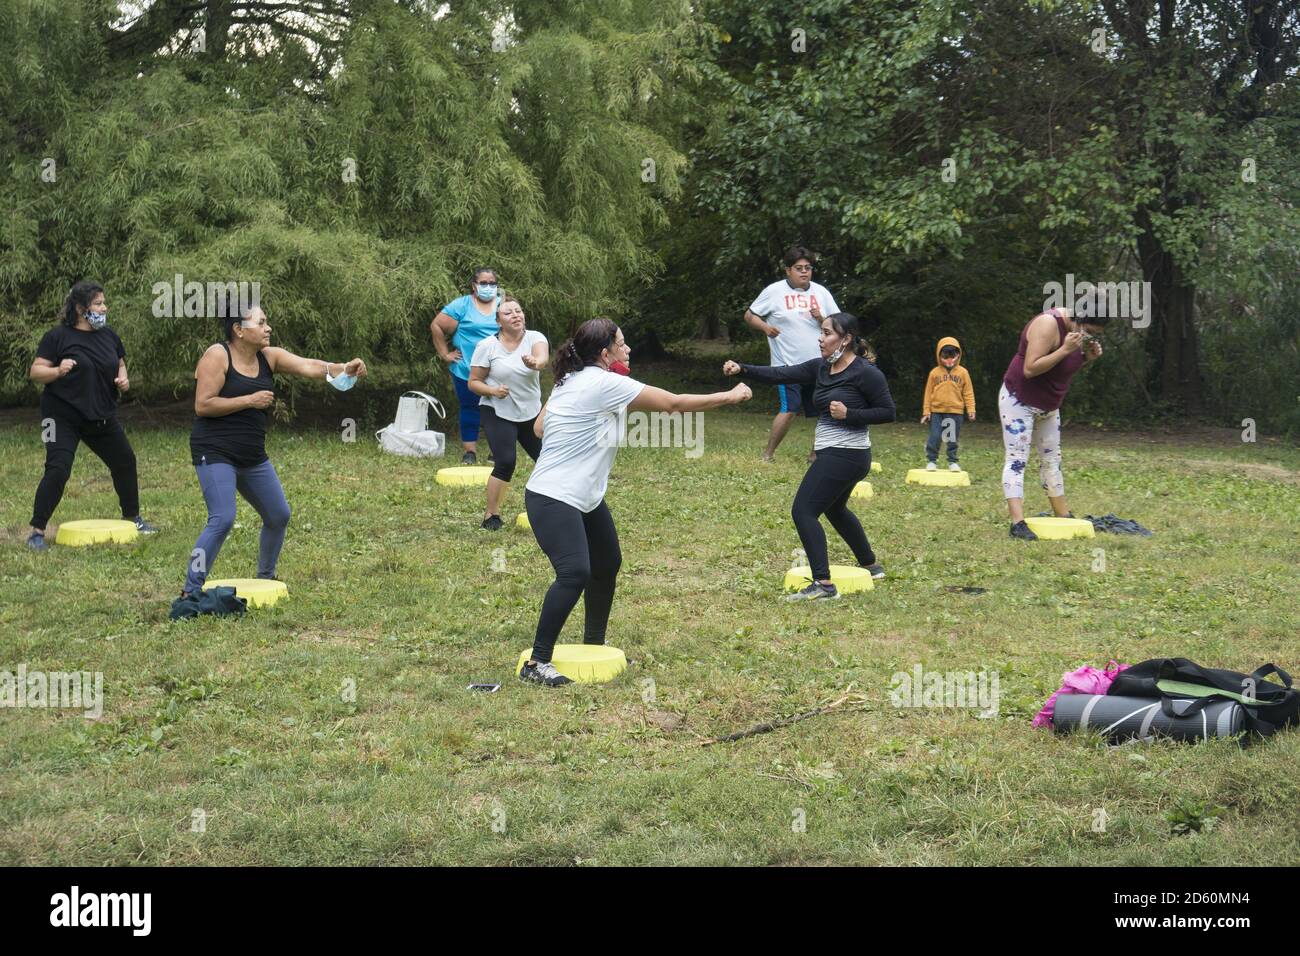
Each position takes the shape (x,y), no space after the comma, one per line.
(392,587)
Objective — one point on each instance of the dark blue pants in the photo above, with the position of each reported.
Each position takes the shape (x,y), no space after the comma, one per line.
(469,412)
(937,420)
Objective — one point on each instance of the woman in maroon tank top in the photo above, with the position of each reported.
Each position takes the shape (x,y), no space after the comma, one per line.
(1053,347)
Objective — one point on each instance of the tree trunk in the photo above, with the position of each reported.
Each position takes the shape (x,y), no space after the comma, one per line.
(1171,339)
(217,29)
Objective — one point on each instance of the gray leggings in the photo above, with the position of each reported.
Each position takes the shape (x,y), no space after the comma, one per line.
(260,486)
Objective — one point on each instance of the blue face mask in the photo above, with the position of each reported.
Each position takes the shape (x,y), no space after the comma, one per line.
(486,292)
(97,320)
(342,381)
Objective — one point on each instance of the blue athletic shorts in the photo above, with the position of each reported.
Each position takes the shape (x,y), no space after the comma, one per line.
(797,398)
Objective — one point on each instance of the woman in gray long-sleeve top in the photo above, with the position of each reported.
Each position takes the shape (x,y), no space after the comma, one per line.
(850,394)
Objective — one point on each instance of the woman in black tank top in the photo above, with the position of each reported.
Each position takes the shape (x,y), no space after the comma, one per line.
(238,438)
(234,388)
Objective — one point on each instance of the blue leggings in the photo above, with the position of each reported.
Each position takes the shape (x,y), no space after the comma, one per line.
(469,417)
(260,486)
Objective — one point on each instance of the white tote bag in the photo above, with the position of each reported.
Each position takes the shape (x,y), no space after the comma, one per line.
(410,435)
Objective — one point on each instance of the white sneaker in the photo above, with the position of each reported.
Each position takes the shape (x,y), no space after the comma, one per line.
(953,466)
(930,466)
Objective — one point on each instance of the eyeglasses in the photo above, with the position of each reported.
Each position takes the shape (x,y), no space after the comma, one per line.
(802,268)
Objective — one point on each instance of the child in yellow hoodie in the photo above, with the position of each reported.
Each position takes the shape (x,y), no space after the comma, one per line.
(948,393)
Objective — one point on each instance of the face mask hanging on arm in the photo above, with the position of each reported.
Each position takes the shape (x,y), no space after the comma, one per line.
(343,381)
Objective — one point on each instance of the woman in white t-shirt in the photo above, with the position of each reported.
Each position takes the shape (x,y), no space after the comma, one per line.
(565,496)
(505,374)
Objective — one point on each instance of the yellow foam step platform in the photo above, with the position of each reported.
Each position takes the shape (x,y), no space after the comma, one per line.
(583,663)
(938,479)
(78,534)
(522,522)
(845,578)
(862,490)
(259,592)
(1059,529)
(471,475)
(875,468)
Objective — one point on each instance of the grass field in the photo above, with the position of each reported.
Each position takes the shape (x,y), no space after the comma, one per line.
(393,589)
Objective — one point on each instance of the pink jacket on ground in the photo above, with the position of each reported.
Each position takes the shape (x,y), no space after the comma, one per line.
(1085,680)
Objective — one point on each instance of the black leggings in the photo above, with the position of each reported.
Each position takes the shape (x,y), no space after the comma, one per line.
(107,440)
(825,491)
(502,435)
(583,549)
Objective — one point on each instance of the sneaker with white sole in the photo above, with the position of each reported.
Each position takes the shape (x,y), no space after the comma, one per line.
(953,466)
(930,466)
(815,592)
(876,571)
(544,674)
(144,527)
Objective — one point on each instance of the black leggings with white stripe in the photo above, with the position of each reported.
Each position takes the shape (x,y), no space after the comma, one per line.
(825,491)
(583,549)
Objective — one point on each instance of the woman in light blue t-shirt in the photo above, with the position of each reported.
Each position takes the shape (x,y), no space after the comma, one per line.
(467,321)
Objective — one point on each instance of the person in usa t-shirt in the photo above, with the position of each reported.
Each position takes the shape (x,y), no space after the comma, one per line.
(789,313)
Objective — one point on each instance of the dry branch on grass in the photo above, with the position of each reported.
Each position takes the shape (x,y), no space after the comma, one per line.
(848,701)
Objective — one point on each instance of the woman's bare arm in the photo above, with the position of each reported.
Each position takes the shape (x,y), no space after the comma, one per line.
(653,399)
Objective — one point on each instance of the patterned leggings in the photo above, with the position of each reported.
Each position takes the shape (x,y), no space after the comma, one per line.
(1021,426)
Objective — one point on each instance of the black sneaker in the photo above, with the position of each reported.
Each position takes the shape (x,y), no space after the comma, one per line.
(491,523)
(876,570)
(143,526)
(1021,530)
(544,674)
(36,541)
(815,592)
(469,458)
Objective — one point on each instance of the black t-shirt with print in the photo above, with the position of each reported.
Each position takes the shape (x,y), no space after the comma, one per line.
(89,386)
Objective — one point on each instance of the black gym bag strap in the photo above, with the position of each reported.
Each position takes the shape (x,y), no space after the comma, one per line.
(1264,670)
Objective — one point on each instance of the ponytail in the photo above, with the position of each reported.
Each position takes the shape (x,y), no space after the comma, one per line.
(584,348)
(847,324)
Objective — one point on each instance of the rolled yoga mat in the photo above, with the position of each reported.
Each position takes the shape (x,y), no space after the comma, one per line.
(1123,718)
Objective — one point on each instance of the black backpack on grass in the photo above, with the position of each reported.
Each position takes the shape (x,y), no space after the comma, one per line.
(1269,707)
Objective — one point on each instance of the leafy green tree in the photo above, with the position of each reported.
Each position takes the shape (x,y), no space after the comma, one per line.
(357,158)
(949,159)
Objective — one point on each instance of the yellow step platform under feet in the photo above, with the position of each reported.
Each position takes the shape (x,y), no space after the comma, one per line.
(259,592)
(846,579)
(1059,529)
(583,663)
(79,534)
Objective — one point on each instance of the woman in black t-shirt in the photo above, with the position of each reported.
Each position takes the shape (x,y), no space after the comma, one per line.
(234,388)
(82,364)
(850,394)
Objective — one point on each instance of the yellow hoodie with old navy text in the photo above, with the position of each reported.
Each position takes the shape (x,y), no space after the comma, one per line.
(948,390)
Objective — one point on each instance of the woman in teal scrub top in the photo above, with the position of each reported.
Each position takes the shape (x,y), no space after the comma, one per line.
(467,321)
